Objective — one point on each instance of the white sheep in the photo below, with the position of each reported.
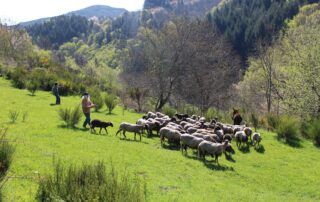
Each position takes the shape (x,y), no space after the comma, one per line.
(256,139)
(190,141)
(170,134)
(134,128)
(214,149)
(241,137)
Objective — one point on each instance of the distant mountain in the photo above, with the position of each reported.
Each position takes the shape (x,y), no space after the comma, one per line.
(187,7)
(99,11)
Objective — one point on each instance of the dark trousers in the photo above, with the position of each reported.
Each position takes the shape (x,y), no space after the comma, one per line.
(57,99)
(88,119)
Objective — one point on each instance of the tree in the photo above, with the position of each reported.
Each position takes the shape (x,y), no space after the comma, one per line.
(138,95)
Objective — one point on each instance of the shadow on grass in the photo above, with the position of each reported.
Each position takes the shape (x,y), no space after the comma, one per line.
(213,166)
(31,95)
(171,147)
(230,158)
(260,149)
(74,128)
(244,149)
(132,140)
(294,142)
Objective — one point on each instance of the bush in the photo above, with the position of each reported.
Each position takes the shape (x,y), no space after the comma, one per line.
(32,87)
(255,121)
(169,111)
(18,77)
(69,116)
(111,102)
(97,99)
(90,183)
(273,121)
(288,129)
(313,131)
(212,113)
(6,153)
(13,116)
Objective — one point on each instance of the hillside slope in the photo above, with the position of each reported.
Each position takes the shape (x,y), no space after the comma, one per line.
(99,11)
(280,173)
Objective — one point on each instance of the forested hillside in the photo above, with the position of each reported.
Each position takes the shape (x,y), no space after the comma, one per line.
(172,59)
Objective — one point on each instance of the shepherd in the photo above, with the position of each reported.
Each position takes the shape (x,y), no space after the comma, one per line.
(86,107)
(55,92)
(236,117)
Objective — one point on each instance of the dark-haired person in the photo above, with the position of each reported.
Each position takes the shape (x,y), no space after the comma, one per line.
(55,92)
(236,117)
(86,107)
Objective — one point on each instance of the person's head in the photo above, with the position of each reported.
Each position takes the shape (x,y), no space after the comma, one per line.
(86,96)
(55,83)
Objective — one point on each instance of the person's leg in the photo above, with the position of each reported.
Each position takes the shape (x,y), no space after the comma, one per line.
(87,120)
(58,99)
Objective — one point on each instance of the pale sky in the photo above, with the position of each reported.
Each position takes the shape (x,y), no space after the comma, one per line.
(15,11)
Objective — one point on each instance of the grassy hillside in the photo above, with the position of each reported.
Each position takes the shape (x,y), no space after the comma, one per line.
(280,173)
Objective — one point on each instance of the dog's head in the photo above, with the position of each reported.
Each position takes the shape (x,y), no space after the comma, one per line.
(110,124)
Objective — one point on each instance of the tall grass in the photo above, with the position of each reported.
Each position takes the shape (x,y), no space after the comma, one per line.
(6,156)
(90,183)
(13,116)
(288,129)
(71,117)
(111,102)
(169,111)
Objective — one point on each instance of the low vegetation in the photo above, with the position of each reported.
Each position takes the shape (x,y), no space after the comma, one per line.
(71,117)
(88,182)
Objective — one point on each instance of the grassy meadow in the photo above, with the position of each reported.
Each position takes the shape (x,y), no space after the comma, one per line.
(276,173)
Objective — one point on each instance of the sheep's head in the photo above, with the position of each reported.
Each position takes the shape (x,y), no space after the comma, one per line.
(110,124)
(228,147)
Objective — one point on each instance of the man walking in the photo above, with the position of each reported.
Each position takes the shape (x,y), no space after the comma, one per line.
(55,92)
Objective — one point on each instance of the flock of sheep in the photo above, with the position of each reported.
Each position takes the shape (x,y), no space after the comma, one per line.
(208,138)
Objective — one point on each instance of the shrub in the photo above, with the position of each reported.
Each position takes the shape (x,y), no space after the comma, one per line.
(90,183)
(288,129)
(313,131)
(18,77)
(32,87)
(6,153)
(111,102)
(97,99)
(254,121)
(191,110)
(69,116)
(212,113)
(169,111)
(273,121)
(13,116)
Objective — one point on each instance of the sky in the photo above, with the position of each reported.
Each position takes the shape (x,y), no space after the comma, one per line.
(15,11)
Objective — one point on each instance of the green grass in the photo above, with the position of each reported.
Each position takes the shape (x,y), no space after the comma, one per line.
(281,173)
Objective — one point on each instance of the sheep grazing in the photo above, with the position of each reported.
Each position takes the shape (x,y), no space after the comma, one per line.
(227,137)
(151,115)
(256,139)
(100,124)
(248,132)
(214,149)
(170,134)
(192,121)
(133,128)
(182,116)
(191,130)
(152,126)
(241,137)
(190,141)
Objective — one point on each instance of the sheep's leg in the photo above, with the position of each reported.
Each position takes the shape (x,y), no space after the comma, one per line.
(118,132)
(100,131)
(140,136)
(134,136)
(217,159)
(106,130)
(124,134)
